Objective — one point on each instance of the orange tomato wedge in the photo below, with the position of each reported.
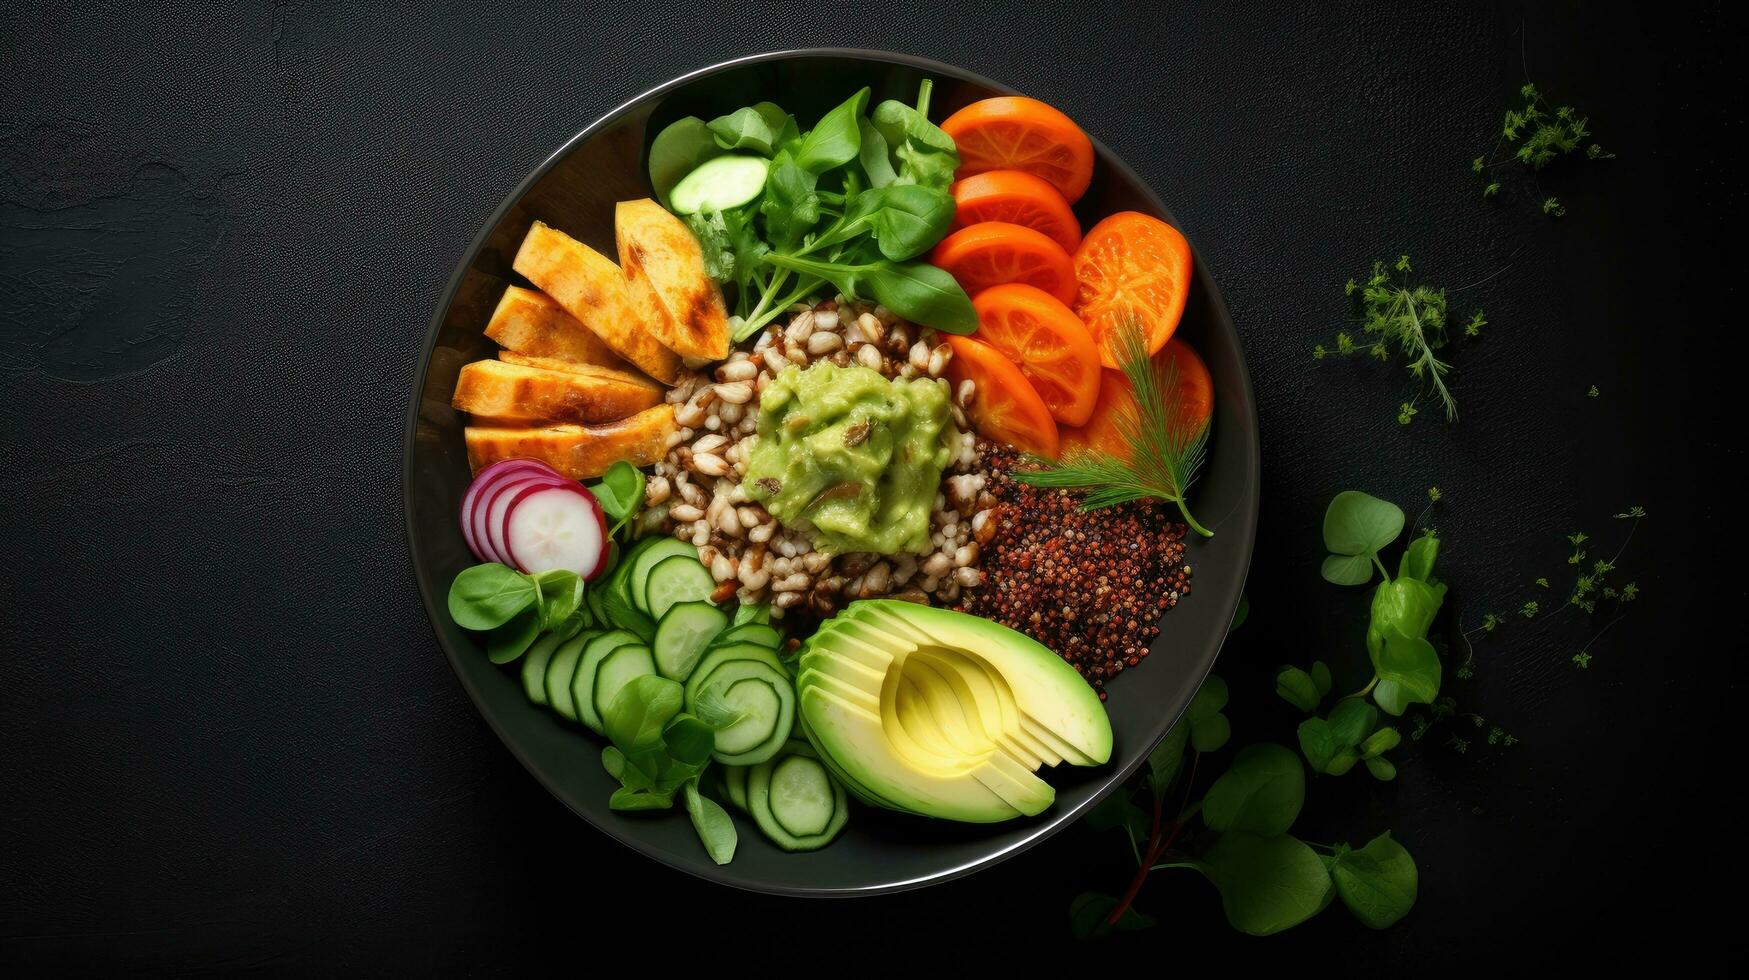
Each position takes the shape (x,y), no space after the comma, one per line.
(1196,401)
(1018,198)
(991,253)
(1004,408)
(1044,338)
(1131,267)
(1017,133)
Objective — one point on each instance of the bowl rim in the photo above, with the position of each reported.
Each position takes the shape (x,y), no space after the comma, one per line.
(1245,517)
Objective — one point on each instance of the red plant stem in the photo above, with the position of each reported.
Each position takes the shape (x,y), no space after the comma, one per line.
(1157,846)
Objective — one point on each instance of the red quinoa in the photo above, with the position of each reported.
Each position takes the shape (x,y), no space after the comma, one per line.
(1090,586)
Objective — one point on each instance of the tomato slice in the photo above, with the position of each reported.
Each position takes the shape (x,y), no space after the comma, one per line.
(1132,267)
(1044,338)
(1004,408)
(1019,198)
(1017,133)
(991,253)
(1196,401)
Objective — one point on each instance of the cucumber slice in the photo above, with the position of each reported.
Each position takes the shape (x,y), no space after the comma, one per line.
(747,679)
(719,184)
(559,672)
(534,667)
(676,579)
(617,670)
(583,683)
(683,634)
(758,633)
(735,786)
(805,794)
(646,561)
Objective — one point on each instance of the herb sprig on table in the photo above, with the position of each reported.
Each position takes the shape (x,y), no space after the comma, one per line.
(1162,451)
(1538,134)
(1402,318)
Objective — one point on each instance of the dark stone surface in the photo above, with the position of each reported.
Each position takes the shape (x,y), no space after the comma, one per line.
(229,741)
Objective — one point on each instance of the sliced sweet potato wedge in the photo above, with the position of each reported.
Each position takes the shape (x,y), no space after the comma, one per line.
(529,322)
(516,391)
(591,288)
(664,270)
(625,374)
(580,452)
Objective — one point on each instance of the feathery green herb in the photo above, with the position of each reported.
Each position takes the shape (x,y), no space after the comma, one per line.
(1401,318)
(1535,136)
(1162,451)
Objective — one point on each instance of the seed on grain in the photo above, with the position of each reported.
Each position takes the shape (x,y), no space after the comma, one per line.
(722,568)
(701,532)
(710,464)
(823,343)
(870,327)
(799,328)
(959,418)
(795,354)
(815,562)
(950,592)
(738,370)
(826,319)
(752,516)
(673,439)
(762,533)
(764,342)
(938,359)
(874,583)
(784,600)
(937,565)
(966,555)
(710,444)
(684,513)
(869,356)
(919,357)
(656,490)
(735,393)
(754,579)
(791,583)
(967,389)
(774,359)
(731,414)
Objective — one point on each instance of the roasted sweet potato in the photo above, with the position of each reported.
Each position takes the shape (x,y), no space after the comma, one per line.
(580,452)
(664,270)
(515,391)
(625,374)
(591,288)
(529,322)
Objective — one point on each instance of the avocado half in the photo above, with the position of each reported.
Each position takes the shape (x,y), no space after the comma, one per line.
(944,714)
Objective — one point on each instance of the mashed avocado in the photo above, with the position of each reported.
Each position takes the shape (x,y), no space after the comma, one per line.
(854,456)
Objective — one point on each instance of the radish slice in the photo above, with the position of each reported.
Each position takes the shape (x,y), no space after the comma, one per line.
(490,515)
(485,481)
(477,519)
(556,527)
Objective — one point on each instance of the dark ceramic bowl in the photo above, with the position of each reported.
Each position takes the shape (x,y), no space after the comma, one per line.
(575,189)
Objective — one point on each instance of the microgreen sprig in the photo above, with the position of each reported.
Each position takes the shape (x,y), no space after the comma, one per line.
(1538,134)
(1162,451)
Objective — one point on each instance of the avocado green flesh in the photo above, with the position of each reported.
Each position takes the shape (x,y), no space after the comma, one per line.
(943,714)
(851,454)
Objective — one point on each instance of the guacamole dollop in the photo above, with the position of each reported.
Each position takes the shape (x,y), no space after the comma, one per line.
(851,455)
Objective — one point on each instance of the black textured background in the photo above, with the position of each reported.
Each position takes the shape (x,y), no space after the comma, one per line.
(228,739)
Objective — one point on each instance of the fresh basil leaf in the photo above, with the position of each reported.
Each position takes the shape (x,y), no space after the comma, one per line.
(627,485)
(640,711)
(689,740)
(873,155)
(715,830)
(1360,524)
(1346,569)
(677,151)
(924,295)
(836,139)
(790,205)
(560,594)
(760,128)
(908,220)
(1380,742)
(926,155)
(627,798)
(711,709)
(1297,688)
(512,640)
(487,596)
(1406,605)
(1378,882)
(1351,720)
(1408,670)
(1418,558)
(1261,792)
(614,761)
(1267,884)
(1090,917)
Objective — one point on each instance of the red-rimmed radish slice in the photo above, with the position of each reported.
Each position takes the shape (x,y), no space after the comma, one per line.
(494,508)
(483,483)
(556,527)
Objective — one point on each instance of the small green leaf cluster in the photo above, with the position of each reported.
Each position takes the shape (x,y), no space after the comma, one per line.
(659,750)
(513,609)
(1349,734)
(1268,879)
(851,203)
(621,494)
(1401,318)
(1538,135)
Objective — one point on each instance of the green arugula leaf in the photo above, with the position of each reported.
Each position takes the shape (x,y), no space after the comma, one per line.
(1267,884)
